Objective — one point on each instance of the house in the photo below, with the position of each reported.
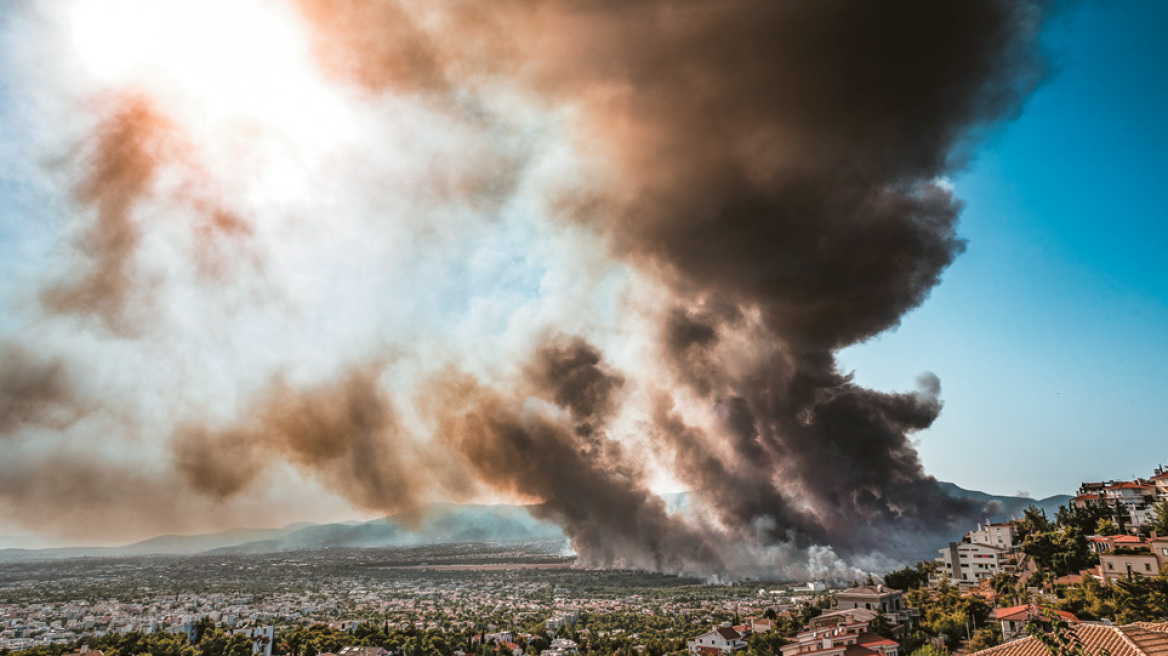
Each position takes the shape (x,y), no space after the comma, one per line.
(559,647)
(879,599)
(724,639)
(1127,564)
(1128,556)
(837,617)
(1015,618)
(841,640)
(1108,543)
(870,597)
(1139,639)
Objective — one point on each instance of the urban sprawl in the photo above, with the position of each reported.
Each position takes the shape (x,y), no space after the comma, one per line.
(1097,570)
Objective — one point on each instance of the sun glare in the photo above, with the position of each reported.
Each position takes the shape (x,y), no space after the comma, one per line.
(208,61)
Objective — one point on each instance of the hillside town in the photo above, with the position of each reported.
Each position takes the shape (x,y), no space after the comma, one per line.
(1098,567)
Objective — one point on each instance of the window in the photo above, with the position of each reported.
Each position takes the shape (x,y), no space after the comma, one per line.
(1147,567)
(1110,565)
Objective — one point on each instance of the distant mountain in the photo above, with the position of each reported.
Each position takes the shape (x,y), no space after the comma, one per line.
(434,523)
(1002,508)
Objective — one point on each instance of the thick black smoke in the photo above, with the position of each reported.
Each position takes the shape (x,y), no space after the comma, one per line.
(780,165)
(585,480)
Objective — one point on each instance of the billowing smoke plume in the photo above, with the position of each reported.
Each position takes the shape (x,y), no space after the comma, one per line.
(574,247)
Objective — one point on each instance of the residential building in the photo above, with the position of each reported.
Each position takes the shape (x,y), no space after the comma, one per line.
(967,564)
(559,647)
(1000,535)
(560,620)
(837,617)
(1128,564)
(879,599)
(871,597)
(1136,497)
(1129,556)
(1015,618)
(724,639)
(1109,543)
(1160,480)
(841,640)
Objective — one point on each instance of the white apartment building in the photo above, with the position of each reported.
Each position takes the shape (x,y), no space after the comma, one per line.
(1000,535)
(966,563)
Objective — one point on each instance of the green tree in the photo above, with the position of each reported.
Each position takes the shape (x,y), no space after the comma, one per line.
(766,644)
(1034,520)
(1107,526)
(881,626)
(908,578)
(1003,585)
(1160,518)
(985,637)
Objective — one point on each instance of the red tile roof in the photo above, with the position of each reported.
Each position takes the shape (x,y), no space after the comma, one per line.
(1028,612)
(1140,639)
(728,633)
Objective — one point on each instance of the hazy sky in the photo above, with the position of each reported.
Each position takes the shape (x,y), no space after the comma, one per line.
(264,261)
(1050,333)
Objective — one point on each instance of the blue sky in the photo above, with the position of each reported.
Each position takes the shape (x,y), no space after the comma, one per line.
(1050,334)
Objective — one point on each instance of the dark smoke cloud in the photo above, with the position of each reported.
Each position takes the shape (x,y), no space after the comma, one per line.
(585,481)
(779,160)
(781,155)
(777,169)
